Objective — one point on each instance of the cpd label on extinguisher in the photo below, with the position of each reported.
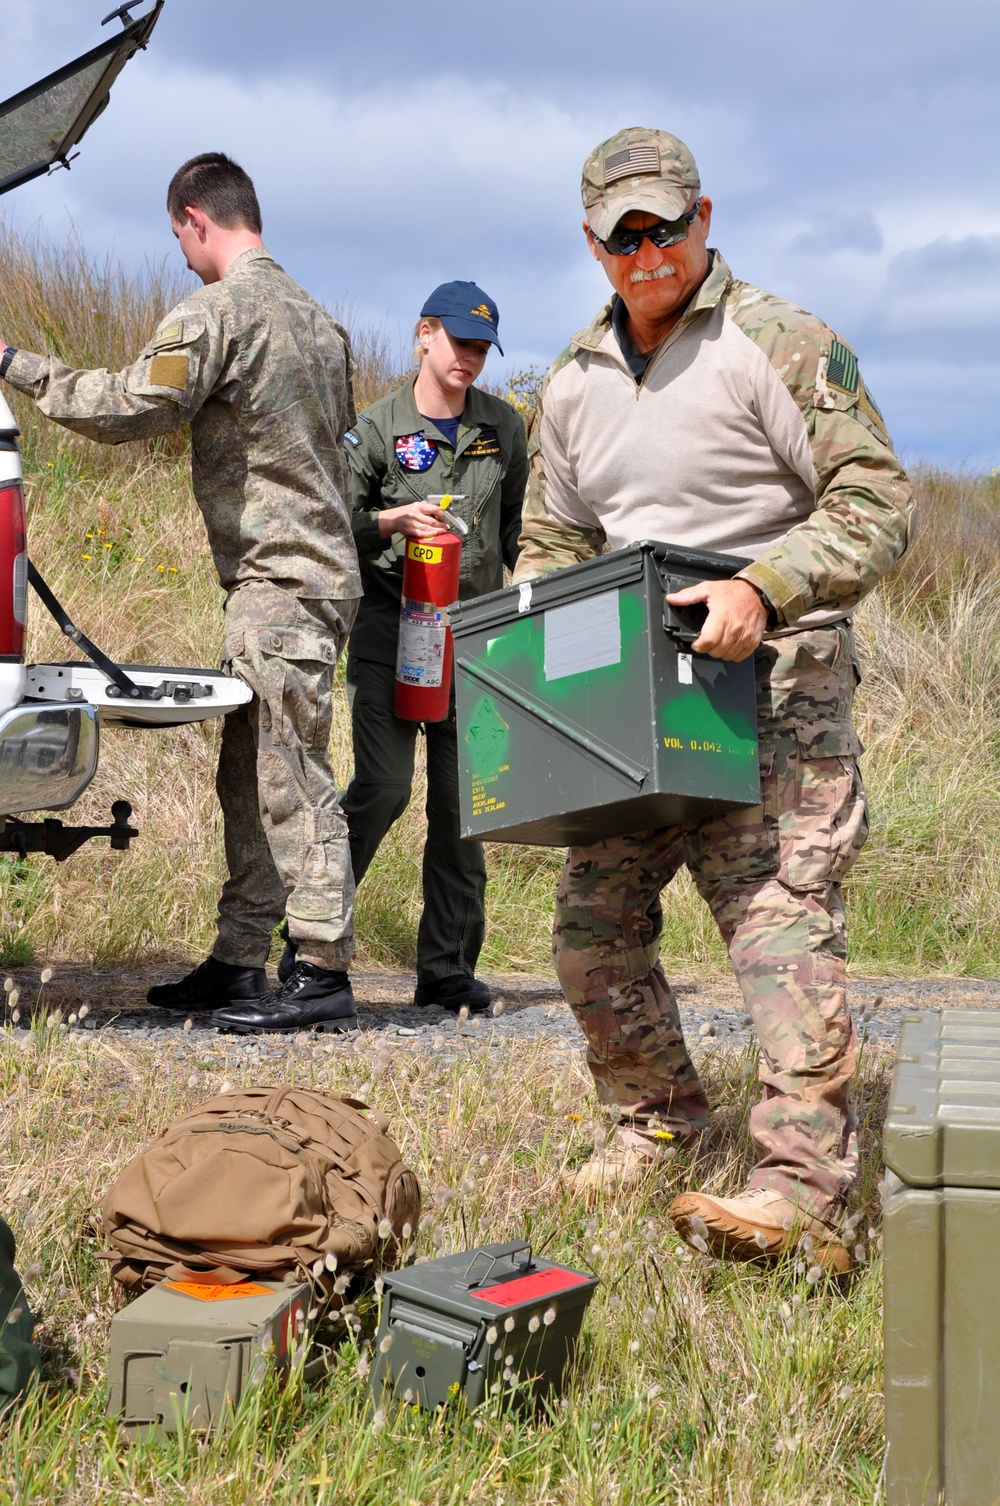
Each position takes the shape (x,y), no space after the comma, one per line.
(424,554)
(422,634)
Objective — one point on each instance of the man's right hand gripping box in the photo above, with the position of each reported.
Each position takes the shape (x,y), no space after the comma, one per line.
(582,711)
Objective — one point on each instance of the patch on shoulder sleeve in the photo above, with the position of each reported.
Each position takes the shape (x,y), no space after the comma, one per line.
(171,334)
(351,438)
(872,412)
(842,369)
(169,371)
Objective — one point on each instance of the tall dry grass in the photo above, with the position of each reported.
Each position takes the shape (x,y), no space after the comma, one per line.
(117,533)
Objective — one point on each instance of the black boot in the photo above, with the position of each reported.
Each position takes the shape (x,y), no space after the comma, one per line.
(454,991)
(212,983)
(312,996)
(286,966)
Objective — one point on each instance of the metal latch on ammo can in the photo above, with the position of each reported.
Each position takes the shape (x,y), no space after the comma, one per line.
(484,1322)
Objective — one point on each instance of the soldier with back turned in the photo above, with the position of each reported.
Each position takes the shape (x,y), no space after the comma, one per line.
(262,374)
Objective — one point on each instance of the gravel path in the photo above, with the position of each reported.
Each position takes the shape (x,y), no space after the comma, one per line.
(532,1010)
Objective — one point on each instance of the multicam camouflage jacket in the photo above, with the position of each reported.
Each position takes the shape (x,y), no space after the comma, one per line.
(262,374)
(750,432)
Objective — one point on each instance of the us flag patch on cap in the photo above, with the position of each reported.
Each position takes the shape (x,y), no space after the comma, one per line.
(632,159)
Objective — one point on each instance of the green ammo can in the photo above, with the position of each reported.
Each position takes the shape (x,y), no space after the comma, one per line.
(941,1234)
(187,1349)
(582,712)
(478,1323)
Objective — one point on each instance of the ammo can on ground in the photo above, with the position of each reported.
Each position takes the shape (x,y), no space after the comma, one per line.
(483,1322)
(187,1350)
(582,712)
(940,1239)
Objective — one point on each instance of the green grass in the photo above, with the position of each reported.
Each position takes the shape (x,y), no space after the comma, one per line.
(698,1383)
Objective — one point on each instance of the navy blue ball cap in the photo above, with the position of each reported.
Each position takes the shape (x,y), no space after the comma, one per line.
(465,311)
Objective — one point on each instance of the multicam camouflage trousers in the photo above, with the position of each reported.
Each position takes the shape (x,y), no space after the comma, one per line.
(771,876)
(285,834)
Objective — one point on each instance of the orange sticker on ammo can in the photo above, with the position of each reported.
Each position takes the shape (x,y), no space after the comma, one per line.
(210,1291)
(425,554)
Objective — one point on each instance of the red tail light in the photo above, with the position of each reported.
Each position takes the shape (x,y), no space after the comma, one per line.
(13,572)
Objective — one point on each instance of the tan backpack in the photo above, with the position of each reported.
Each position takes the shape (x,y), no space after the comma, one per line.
(263,1181)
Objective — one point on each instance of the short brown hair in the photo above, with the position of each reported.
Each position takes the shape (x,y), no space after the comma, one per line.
(217,185)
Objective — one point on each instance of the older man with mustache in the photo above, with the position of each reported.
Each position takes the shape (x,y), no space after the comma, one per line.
(703,412)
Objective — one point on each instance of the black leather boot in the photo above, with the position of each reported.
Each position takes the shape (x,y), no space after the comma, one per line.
(313,997)
(212,983)
(454,991)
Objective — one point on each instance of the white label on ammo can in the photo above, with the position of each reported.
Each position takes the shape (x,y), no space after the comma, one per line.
(423,628)
(582,635)
(685,669)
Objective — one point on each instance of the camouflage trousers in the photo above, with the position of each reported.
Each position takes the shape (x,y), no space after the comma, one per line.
(771,876)
(285,834)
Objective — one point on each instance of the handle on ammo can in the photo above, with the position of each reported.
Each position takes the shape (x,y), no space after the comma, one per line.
(682,624)
(503,1253)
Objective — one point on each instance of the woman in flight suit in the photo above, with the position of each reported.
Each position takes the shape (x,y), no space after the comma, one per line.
(436,434)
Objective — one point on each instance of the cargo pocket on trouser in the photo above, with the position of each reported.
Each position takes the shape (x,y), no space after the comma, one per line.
(827,825)
(300,808)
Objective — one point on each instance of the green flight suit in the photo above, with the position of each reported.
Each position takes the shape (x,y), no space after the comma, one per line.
(396,456)
(19,1357)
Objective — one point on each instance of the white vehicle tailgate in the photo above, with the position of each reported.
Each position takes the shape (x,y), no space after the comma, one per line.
(182,695)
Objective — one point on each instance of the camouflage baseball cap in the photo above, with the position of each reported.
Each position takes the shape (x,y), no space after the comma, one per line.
(637,169)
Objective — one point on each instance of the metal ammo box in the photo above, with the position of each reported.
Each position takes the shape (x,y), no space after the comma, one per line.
(459,1324)
(187,1349)
(941,1235)
(582,712)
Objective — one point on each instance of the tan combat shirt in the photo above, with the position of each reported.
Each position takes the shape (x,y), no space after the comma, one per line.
(751,432)
(262,374)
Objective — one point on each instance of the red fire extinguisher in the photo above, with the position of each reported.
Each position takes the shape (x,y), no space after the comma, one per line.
(425,653)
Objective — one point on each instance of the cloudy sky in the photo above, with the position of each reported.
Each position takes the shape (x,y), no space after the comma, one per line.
(850,149)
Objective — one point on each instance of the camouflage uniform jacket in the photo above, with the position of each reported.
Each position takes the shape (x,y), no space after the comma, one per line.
(397,456)
(263,375)
(750,432)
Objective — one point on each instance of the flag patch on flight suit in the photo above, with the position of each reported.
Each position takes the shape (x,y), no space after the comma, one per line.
(169,371)
(414,452)
(485,443)
(842,369)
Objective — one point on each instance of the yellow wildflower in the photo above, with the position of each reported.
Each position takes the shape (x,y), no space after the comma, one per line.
(86,556)
(576,1118)
(173,569)
(664,1135)
(161,568)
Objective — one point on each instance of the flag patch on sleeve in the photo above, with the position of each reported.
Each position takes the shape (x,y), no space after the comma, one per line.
(842,369)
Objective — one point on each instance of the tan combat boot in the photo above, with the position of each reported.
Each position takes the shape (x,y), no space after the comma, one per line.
(624,1162)
(757,1225)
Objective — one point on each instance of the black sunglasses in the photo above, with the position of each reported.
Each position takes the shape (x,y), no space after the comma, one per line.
(625,240)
